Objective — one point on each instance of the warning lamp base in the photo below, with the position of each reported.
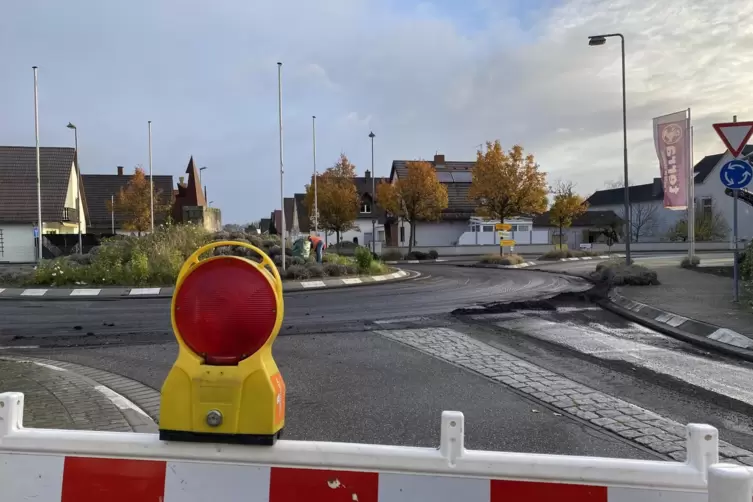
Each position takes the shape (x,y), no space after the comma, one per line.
(208,437)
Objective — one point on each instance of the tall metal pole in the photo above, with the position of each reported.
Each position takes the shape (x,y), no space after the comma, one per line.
(39,178)
(151,178)
(736,266)
(78,192)
(373,196)
(691,195)
(112,213)
(316,190)
(625,156)
(282,169)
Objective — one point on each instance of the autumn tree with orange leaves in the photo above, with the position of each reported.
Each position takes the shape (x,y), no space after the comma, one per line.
(507,184)
(133,205)
(417,197)
(337,198)
(567,206)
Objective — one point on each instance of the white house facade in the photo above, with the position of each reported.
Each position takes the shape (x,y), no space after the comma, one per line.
(652,222)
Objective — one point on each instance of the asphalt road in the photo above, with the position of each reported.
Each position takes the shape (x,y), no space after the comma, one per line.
(347,383)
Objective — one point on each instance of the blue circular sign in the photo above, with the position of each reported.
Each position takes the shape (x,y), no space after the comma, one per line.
(736,174)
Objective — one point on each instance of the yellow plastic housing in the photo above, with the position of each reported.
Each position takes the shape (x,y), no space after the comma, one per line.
(250,397)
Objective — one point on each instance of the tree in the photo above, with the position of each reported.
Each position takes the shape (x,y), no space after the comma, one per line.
(417,197)
(134,204)
(566,207)
(644,219)
(337,197)
(506,184)
(614,184)
(709,226)
(272,230)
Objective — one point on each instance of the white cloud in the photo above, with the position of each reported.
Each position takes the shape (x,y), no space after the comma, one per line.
(420,77)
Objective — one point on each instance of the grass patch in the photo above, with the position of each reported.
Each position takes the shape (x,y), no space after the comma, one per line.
(156,259)
(558,254)
(496,259)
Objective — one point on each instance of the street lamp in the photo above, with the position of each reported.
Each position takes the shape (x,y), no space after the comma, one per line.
(201,182)
(373,196)
(597,40)
(78,187)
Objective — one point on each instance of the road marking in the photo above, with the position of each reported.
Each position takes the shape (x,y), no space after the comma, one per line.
(120,401)
(352,280)
(313,284)
(20,347)
(725,335)
(2,289)
(85,292)
(33,292)
(379,278)
(401,319)
(49,366)
(144,291)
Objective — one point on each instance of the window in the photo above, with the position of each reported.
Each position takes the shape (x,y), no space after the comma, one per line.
(521,228)
(365,207)
(402,234)
(67,217)
(2,248)
(488,228)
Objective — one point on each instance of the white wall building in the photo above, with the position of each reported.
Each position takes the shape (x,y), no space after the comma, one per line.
(651,222)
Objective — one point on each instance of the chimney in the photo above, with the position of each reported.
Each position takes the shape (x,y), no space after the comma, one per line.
(368,174)
(180,179)
(657,187)
(120,170)
(439,160)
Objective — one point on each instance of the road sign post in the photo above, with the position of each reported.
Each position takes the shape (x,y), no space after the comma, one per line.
(736,174)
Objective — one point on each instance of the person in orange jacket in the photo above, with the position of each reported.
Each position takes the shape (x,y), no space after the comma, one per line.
(318,244)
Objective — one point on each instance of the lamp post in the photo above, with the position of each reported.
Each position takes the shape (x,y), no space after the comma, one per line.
(39,178)
(373,196)
(201,183)
(78,187)
(282,169)
(151,178)
(112,213)
(597,40)
(316,191)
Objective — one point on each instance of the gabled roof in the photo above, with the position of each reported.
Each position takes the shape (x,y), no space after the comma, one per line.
(587,219)
(100,187)
(18,182)
(194,192)
(707,164)
(364,186)
(456,177)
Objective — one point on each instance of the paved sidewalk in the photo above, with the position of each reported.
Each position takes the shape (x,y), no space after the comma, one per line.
(57,397)
(696,295)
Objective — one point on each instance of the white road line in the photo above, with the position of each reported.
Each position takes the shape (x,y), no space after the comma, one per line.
(2,289)
(352,280)
(725,335)
(33,292)
(378,278)
(20,347)
(313,284)
(401,319)
(120,401)
(618,344)
(49,366)
(144,291)
(85,292)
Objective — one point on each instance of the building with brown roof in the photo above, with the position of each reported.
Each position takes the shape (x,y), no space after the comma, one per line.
(59,180)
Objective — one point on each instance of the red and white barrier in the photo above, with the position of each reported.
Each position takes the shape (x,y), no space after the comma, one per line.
(87,466)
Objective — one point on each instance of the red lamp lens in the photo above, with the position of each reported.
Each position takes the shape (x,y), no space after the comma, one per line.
(225,310)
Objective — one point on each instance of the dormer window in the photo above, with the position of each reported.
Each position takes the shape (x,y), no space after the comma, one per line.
(365,208)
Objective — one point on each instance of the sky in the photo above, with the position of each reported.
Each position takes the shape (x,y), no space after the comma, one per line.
(426,77)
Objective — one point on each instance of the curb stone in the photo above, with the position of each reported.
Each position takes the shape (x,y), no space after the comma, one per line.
(600,257)
(683,328)
(413,261)
(111,388)
(109,293)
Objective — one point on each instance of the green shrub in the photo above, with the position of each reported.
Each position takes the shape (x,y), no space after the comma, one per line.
(558,254)
(364,258)
(377,268)
(433,255)
(315,270)
(417,255)
(392,255)
(688,263)
(335,269)
(618,273)
(336,258)
(296,272)
(496,259)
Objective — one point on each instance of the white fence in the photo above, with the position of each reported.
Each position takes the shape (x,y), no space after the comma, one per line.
(82,466)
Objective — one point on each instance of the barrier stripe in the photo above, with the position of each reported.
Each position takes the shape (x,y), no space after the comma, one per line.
(48,478)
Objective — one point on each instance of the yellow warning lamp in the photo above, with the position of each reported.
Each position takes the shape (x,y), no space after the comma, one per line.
(225,386)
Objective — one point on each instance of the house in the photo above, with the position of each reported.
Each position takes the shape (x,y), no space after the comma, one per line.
(588,228)
(292,226)
(59,181)
(101,189)
(650,221)
(190,204)
(456,177)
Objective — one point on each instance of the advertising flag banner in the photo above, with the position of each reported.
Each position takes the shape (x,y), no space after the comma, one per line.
(671,137)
